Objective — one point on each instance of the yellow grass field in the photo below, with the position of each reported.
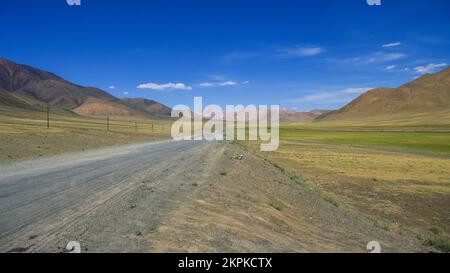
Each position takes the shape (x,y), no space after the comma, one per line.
(24,134)
(398,180)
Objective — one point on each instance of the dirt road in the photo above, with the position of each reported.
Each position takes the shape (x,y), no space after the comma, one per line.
(173,196)
(105,198)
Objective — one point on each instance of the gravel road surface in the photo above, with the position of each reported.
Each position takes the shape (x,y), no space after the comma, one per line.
(105,199)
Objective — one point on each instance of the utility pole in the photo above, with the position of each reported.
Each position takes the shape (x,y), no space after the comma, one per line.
(48,116)
(107,123)
(135,127)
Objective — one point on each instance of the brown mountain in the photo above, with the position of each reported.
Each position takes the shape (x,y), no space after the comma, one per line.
(424,99)
(26,81)
(45,86)
(148,106)
(15,76)
(291,116)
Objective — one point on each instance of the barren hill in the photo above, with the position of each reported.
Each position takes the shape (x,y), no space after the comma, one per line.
(427,99)
(27,82)
(45,86)
(148,106)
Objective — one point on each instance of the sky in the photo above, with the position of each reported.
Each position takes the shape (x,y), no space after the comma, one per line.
(301,55)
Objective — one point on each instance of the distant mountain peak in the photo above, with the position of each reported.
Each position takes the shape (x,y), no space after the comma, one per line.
(291,115)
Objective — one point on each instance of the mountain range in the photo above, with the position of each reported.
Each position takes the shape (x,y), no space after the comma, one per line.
(25,87)
(425,100)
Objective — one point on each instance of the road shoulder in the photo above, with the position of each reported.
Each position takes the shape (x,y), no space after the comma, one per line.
(248,205)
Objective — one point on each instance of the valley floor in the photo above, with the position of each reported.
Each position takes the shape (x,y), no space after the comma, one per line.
(175,197)
(322,191)
(399,181)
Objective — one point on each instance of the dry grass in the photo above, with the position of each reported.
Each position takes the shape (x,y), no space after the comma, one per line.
(403,188)
(24,134)
(258,208)
(369,163)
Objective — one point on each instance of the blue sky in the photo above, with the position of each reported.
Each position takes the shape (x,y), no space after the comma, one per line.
(299,54)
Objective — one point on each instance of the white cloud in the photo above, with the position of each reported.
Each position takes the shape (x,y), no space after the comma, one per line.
(112,87)
(221,84)
(337,96)
(320,97)
(228,83)
(385,57)
(273,50)
(166,86)
(239,55)
(429,68)
(126,93)
(355,90)
(299,51)
(324,97)
(393,44)
(390,67)
(373,58)
(206,84)
(397,69)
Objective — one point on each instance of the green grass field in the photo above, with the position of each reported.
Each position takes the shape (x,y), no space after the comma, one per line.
(395,175)
(436,142)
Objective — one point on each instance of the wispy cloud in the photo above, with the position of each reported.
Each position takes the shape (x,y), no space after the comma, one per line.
(390,56)
(395,68)
(220,84)
(217,77)
(393,44)
(379,57)
(228,83)
(126,93)
(206,84)
(325,97)
(355,90)
(165,86)
(337,96)
(391,67)
(293,52)
(274,51)
(239,55)
(382,57)
(112,87)
(429,68)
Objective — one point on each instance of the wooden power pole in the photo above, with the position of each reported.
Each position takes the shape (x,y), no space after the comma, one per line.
(48,116)
(107,123)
